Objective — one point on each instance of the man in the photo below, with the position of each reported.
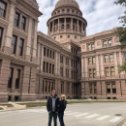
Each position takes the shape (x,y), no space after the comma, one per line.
(52,107)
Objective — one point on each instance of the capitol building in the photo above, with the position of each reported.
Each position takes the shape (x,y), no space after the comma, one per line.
(32,64)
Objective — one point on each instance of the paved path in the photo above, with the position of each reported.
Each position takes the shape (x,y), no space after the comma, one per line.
(93,114)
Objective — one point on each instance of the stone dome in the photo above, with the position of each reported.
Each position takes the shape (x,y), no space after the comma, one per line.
(62,3)
(32,3)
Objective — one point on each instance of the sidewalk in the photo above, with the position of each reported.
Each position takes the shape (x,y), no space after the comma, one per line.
(39,103)
(122,123)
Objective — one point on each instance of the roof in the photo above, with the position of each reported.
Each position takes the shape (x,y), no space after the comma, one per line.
(32,3)
(62,3)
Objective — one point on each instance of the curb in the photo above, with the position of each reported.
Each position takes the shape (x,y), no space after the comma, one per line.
(122,123)
(21,109)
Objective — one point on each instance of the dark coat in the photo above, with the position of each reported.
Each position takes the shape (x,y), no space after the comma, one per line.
(49,104)
(62,106)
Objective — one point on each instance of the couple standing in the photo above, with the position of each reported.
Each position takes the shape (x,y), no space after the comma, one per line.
(56,107)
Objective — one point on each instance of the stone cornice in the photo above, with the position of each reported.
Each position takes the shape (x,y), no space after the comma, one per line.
(31,10)
(17,60)
(100,35)
(67,16)
(96,51)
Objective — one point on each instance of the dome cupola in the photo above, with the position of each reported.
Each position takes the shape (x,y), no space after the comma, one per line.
(67,22)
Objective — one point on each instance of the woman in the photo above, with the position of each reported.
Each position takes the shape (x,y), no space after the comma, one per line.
(61,109)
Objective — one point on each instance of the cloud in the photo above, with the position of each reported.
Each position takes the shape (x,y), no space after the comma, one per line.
(100,14)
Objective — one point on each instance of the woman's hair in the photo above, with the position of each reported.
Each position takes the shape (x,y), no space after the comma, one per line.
(63,96)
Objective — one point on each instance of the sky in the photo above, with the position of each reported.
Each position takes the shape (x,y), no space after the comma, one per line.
(100,14)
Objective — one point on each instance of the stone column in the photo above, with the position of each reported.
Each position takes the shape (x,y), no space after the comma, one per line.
(97,66)
(103,90)
(81,27)
(57,64)
(86,67)
(123,86)
(4,76)
(118,89)
(87,90)
(102,66)
(77,25)
(82,68)
(34,42)
(9,33)
(29,83)
(116,64)
(52,26)
(42,57)
(58,24)
(29,41)
(121,62)
(71,24)
(82,90)
(99,92)
(65,24)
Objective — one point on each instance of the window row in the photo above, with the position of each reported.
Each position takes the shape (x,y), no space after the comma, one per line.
(91,60)
(47,85)
(48,67)
(110,88)
(109,71)
(20,21)
(105,43)
(14,78)
(49,53)
(92,73)
(67,10)
(74,50)
(3,7)
(108,58)
(17,45)
(93,87)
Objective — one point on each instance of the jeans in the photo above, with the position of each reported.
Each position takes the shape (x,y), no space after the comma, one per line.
(54,116)
(61,120)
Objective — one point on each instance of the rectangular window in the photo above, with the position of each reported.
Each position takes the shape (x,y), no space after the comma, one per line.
(61,59)
(107,43)
(53,55)
(53,69)
(92,73)
(90,46)
(44,51)
(3,7)
(62,86)
(108,58)
(1,36)
(112,71)
(20,46)
(17,81)
(44,66)
(23,23)
(17,19)
(91,60)
(107,72)
(61,71)
(114,90)
(10,80)
(14,44)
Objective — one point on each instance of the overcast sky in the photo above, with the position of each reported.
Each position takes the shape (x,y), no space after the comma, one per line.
(100,14)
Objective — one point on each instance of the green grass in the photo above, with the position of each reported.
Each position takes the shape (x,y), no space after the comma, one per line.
(1,108)
(33,104)
(6,104)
